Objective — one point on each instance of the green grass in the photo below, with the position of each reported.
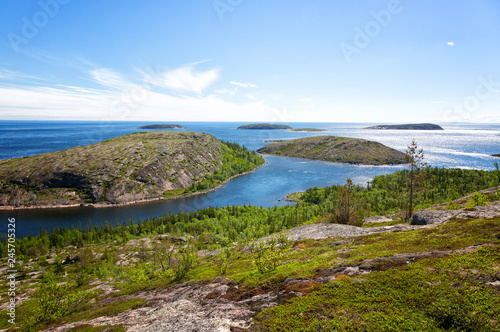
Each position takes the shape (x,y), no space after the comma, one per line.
(455,234)
(173,193)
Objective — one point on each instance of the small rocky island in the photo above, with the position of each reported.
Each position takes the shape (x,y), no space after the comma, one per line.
(126,169)
(411,126)
(265,126)
(337,149)
(162,126)
(308,130)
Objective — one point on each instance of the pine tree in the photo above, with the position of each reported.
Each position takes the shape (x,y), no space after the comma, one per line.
(348,208)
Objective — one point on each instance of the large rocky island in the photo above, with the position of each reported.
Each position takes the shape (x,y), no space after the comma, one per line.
(337,149)
(411,126)
(265,126)
(130,168)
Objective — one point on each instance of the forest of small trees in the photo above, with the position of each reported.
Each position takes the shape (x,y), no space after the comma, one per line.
(213,227)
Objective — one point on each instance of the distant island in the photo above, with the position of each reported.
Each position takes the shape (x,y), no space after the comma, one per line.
(126,169)
(337,149)
(496,155)
(411,126)
(308,130)
(274,140)
(162,126)
(264,126)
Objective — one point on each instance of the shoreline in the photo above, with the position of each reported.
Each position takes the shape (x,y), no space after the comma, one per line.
(108,205)
(288,199)
(337,162)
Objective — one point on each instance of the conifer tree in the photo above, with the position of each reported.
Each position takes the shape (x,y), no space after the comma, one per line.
(418,172)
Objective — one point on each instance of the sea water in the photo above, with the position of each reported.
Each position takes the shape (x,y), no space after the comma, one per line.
(459,145)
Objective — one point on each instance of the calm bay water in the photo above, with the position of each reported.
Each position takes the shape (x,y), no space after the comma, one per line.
(459,145)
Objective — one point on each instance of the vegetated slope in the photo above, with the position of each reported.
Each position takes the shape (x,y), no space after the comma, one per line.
(265,126)
(124,169)
(337,149)
(398,277)
(389,193)
(411,126)
(162,126)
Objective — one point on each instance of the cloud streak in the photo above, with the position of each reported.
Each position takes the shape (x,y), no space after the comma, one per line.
(185,79)
(244,85)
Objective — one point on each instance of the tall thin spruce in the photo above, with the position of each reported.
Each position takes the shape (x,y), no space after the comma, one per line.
(414,157)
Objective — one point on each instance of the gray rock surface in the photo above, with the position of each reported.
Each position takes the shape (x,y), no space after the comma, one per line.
(430,217)
(323,231)
(184,307)
(377,219)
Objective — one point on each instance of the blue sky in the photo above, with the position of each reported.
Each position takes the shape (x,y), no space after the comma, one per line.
(242,60)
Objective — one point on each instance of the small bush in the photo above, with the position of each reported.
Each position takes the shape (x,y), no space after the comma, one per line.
(81,278)
(183,263)
(59,269)
(55,301)
(478,199)
(453,206)
(268,254)
(222,262)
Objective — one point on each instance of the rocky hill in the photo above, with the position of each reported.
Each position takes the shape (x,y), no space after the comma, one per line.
(337,149)
(412,126)
(125,169)
(264,126)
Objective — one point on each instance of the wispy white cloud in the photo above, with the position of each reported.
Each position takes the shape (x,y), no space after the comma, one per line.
(122,99)
(305,100)
(226,92)
(450,43)
(244,85)
(6,74)
(184,79)
(110,79)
